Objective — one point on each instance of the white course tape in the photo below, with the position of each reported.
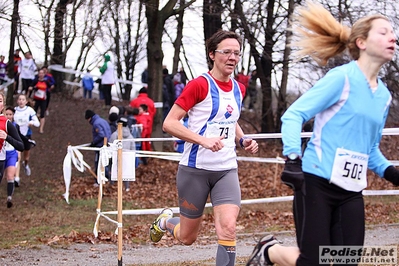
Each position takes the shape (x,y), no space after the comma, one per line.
(244,202)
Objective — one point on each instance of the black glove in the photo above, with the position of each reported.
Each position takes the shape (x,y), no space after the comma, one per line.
(392,175)
(293,175)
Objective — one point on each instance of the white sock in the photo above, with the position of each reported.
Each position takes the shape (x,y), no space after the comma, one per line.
(161,223)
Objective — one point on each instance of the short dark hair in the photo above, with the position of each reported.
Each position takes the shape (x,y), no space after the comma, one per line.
(89,114)
(143,90)
(144,106)
(213,42)
(11,109)
(113,117)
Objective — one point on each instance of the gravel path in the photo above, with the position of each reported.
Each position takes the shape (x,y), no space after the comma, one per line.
(104,254)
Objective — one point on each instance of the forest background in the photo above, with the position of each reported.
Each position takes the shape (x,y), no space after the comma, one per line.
(149,33)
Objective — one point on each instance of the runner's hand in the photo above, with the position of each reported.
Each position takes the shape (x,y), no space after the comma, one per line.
(250,145)
(293,175)
(392,175)
(3,134)
(214,144)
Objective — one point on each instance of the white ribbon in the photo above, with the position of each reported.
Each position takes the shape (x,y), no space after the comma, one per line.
(73,156)
(67,171)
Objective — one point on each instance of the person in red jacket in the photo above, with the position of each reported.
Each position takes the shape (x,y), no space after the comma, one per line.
(143,98)
(145,118)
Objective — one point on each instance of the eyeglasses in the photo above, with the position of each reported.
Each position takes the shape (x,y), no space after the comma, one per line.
(229,52)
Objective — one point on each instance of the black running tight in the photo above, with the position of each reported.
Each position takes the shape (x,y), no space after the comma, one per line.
(326,215)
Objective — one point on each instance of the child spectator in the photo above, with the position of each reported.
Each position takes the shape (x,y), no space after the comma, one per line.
(135,129)
(145,119)
(112,120)
(87,84)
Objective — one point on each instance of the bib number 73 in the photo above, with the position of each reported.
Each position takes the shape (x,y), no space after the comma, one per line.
(224,131)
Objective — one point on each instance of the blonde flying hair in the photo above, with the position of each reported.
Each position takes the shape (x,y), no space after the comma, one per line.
(322,37)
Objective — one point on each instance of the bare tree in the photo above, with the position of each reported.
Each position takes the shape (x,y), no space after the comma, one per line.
(212,17)
(46,12)
(260,28)
(156,19)
(126,28)
(91,28)
(282,102)
(59,55)
(177,44)
(10,66)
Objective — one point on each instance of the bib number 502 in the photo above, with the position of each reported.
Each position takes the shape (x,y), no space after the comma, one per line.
(353,170)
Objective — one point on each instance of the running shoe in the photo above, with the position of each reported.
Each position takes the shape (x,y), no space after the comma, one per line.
(257,257)
(9,202)
(32,143)
(27,170)
(156,232)
(17,181)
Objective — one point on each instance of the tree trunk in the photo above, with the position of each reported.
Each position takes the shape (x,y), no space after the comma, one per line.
(267,123)
(155,60)
(10,66)
(177,44)
(212,18)
(58,56)
(282,102)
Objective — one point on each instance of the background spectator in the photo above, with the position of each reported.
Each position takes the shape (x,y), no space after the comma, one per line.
(100,131)
(168,92)
(143,98)
(87,84)
(179,86)
(3,70)
(144,118)
(27,69)
(252,91)
(17,58)
(107,79)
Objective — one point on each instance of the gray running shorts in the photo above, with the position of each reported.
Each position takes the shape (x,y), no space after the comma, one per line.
(194,185)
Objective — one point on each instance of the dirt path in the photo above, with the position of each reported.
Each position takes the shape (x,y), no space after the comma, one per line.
(104,255)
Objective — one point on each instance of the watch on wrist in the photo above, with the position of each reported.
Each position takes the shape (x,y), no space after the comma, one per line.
(292,156)
(241,141)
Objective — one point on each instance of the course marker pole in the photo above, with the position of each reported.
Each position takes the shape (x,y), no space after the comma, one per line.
(119,146)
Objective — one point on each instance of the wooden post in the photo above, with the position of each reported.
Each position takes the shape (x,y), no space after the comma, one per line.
(120,186)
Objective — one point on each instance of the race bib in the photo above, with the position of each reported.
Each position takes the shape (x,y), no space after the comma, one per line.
(40,95)
(226,129)
(350,170)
